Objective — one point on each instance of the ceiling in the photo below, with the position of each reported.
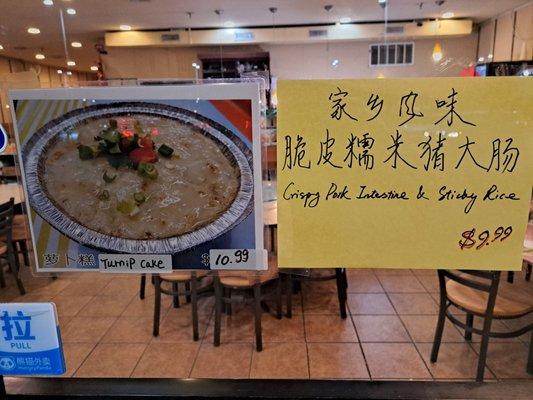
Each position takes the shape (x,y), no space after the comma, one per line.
(94,17)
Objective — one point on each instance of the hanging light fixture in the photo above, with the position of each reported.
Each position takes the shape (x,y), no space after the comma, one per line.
(437,52)
(273,11)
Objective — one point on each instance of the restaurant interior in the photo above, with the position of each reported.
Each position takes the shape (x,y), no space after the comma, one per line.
(367,324)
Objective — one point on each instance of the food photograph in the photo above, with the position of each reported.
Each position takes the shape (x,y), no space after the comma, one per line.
(137,177)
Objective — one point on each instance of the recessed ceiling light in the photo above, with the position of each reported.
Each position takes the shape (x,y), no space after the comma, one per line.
(75,44)
(437,52)
(229,24)
(71,63)
(59,71)
(71,11)
(448,14)
(1,47)
(48,2)
(345,20)
(490,56)
(34,31)
(94,68)
(125,28)
(39,56)
(69,72)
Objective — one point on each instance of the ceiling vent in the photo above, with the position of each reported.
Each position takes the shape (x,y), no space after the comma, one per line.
(243,36)
(315,33)
(394,30)
(170,37)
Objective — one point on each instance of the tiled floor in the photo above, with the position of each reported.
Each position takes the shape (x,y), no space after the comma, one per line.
(106,330)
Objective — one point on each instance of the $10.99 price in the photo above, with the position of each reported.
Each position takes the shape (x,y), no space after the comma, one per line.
(232,259)
(238,257)
(471,239)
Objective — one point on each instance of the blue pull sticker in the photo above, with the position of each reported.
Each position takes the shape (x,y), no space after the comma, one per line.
(3,139)
(30,342)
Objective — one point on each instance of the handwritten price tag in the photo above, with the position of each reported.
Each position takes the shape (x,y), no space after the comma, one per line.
(484,238)
(234,259)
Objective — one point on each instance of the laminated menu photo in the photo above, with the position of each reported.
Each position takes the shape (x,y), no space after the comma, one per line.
(141,178)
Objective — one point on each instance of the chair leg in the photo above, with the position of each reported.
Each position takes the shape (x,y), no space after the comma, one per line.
(288,293)
(24,251)
(257,312)
(188,292)
(2,277)
(218,310)
(15,267)
(340,274)
(224,306)
(510,276)
(157,304)
(528,271)
(229,309)
(469,324)
(279,288)
(194,307)
(143,286)
(176,296)
(530,357)
(483,349)
(438,331)
(272,237)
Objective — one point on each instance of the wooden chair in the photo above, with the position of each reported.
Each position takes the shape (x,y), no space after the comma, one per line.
(191,280)
(21,236)
(480,293)
(528,260)
(7,251)
(528,252)
(175,289)
(241,281)
(270,216)
(339,275)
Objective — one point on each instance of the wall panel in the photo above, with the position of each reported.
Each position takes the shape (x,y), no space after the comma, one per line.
(523,35)
(504,37)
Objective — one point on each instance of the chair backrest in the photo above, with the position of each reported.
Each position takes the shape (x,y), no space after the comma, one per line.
(484,281)
(6,219)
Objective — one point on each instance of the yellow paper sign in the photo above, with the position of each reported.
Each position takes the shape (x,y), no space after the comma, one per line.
(404,173)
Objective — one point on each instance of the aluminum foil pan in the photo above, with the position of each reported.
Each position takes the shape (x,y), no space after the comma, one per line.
(34,153)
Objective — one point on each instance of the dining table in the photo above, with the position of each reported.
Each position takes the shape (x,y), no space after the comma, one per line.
(9,190)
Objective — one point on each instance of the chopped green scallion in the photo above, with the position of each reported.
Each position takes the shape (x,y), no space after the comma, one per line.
(109,176)
(86,152)
(147,170)
(103,195)
(139,197)
(128,207)
(165,151)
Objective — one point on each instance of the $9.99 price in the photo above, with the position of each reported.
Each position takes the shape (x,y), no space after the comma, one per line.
(471,239)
